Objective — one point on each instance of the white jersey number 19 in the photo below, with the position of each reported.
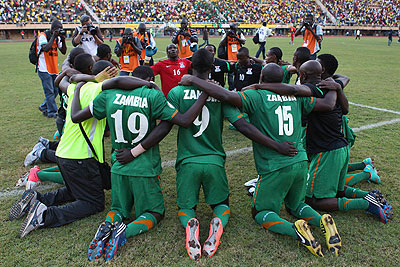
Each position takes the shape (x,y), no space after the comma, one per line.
(141,131)
(285,120)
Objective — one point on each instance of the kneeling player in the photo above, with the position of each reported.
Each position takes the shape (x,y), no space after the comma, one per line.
(131,116)
(283,179)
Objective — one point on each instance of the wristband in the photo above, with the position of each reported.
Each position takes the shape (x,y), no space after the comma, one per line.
(147,59)
(137,150)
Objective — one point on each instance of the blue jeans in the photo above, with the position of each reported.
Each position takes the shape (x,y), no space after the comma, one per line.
(261,50)
(50,93)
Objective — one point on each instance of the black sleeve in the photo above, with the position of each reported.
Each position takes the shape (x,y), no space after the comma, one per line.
(340,82)
(316,92)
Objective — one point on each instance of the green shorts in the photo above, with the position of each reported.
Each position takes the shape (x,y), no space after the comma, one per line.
(327,173)
(287,184)
(191,176)
(145,193)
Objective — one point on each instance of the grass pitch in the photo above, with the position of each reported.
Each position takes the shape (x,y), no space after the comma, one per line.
(374,71)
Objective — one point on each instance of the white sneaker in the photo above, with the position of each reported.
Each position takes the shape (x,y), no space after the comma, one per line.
(34,155)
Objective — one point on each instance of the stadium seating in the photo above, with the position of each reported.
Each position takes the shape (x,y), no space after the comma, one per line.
(362,12)
(347,12)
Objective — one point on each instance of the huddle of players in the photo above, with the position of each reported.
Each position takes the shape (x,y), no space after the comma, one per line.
(280,151)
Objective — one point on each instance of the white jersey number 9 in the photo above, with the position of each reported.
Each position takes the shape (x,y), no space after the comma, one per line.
(203,123)
(141,131)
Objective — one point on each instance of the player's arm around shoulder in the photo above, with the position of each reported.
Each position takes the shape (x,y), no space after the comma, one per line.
(187,118)
(213,90)
(77,113)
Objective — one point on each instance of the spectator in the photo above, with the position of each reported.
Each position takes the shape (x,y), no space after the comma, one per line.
(312,35)
(358,35)
(48,44)
(128,49)
(87,36)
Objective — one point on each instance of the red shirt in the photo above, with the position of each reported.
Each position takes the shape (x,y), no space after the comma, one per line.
(171,72)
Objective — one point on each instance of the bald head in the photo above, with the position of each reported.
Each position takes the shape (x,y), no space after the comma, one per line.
(272,73)
(310,71)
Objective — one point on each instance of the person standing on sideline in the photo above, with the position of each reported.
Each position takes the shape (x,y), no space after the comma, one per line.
(147,41)
(48,42)
(87,36)
(358,35)
(263,32)
(205,37)
(312,35)
(128,49)
(390,37)
(183,39)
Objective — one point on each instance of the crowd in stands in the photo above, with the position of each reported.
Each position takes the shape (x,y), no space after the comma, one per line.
(272,11)
(152,11)
(363,12)
(39,11)
(347,12)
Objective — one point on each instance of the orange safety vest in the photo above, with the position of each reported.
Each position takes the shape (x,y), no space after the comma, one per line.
(183,47)
(129,59)
(309,41)
(145,38)
(233,47)
(51,57)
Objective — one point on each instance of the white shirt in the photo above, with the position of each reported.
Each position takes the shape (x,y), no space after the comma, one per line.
(263,33)
(88,43)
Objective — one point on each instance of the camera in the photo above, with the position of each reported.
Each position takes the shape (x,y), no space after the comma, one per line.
(92,29)
(62,32)
(231,34)
(307,24)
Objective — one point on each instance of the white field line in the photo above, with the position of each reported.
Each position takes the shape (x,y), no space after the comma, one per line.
(375,108)
(171,163)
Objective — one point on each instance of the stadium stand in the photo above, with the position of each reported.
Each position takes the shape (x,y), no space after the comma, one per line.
(347,12)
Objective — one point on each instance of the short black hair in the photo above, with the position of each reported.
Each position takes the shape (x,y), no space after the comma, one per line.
(143,72)
(264,24)
(100,65)
(303,54)
(85,18)
(213,46)
(277,52)
(329,63)
(202,60)
(82,62)
(244,50)
(103,50)
(272,73)
(74,53)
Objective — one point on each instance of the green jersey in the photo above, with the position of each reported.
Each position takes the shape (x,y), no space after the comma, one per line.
(131,116)
(201,142)
(278,117)
(286,74)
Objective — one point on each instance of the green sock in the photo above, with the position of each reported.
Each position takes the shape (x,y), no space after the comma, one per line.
(51,175)
(308,214)
(113,216)
(354,192)
(223,212)
(272,222)
(185,215)
(352,179)
(355,166)
(346,204)
(144,223)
